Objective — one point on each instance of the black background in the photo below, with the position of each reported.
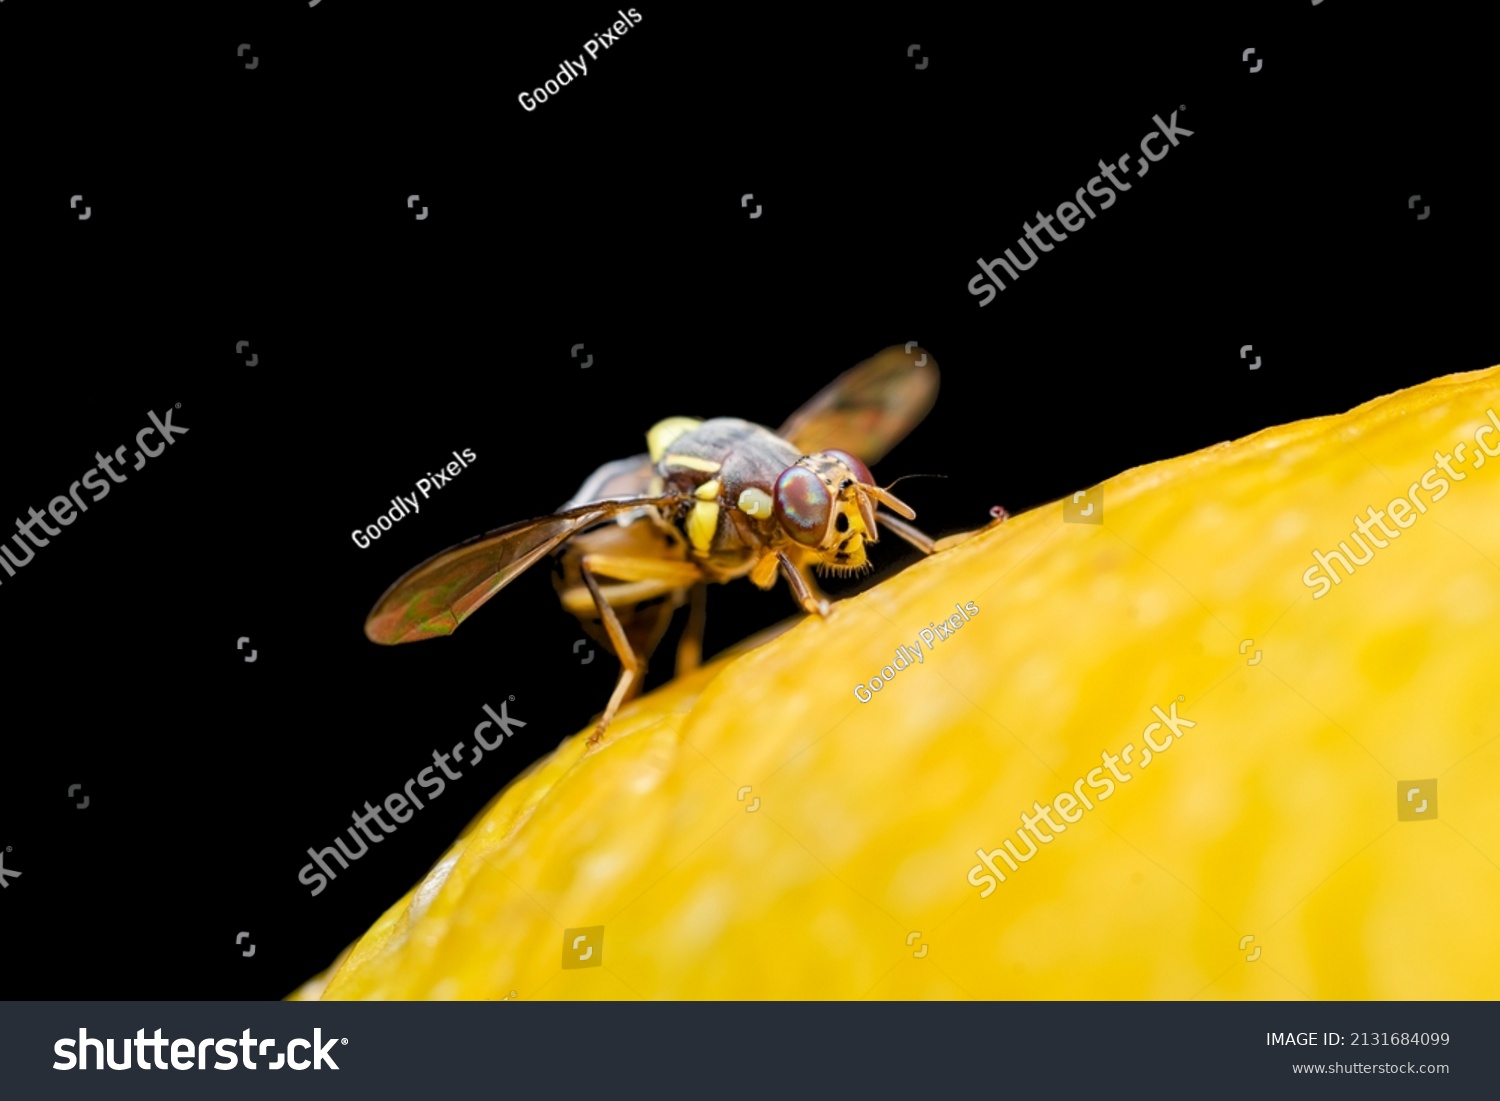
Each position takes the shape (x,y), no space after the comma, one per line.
(269,206)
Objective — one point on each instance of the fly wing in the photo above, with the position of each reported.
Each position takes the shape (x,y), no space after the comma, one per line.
(441,593)
(630,477)
(870,408)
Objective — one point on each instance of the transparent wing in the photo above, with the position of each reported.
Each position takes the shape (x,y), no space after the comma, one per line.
(622,478)
(441,593)
(870,408)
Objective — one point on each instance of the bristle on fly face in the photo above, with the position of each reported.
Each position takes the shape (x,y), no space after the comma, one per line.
(838,569)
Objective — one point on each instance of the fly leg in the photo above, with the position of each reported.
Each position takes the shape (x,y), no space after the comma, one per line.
(665,576)
(926,543)
(690,648)
(804,589)
(916,537)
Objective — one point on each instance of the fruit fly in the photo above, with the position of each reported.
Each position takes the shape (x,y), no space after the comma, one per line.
(710,501)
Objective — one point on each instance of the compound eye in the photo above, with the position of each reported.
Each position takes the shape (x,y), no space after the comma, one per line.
(804,505)
(860,471)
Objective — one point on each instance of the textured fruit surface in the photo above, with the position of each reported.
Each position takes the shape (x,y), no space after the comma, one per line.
(757,831)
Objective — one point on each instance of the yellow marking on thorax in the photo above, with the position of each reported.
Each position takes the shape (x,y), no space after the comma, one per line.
(707,491)
(664,433)
(702,522)
(692,462)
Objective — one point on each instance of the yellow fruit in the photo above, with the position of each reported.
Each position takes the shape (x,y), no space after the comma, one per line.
(844,870)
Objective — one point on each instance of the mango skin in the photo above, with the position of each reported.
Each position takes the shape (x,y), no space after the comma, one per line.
(1274,817)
